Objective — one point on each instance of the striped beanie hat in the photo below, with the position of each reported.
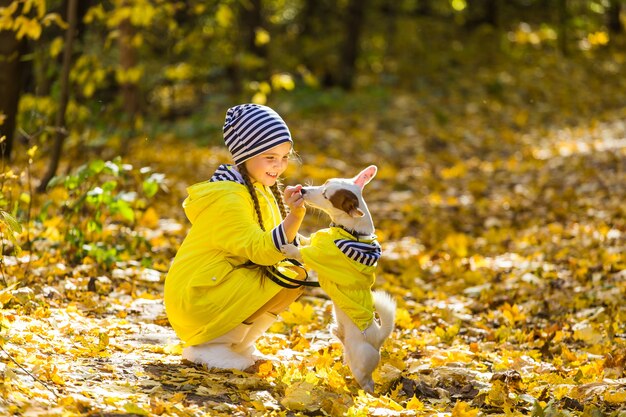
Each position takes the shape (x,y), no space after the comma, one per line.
(251,129)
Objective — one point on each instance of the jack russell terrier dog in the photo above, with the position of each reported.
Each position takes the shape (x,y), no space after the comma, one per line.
(345,257)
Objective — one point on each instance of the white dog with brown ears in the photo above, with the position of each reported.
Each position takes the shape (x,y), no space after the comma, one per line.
(345,257)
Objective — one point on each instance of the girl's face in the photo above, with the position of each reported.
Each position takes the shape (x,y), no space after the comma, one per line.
(268,166)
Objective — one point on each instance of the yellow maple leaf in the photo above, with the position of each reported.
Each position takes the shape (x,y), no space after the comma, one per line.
(414,404)
(5,297)
(149,219)
(587,333)
(618,397)
(448,334)
(458,243)
(298,313)
(266,369)
(463,409)
(512,313)
(301,396)
(404,320)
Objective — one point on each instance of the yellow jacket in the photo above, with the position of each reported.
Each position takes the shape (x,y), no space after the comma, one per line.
(205,295)
(345,270)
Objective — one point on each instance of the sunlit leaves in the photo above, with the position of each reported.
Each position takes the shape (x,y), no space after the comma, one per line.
(10,222)
(598,38)
(282,81)
(458,5)
(129,75)
(179,72)
(261,37)
(24,26)
(224,15)
(27,18)
(140,13)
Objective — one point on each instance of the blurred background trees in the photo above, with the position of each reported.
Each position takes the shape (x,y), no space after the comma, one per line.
(137,65)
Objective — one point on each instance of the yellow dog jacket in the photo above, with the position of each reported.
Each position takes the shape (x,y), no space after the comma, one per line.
(345,269)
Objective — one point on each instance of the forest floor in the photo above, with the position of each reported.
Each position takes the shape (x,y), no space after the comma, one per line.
(500,210)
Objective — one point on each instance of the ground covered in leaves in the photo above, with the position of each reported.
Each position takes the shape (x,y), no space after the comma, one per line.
(503,226)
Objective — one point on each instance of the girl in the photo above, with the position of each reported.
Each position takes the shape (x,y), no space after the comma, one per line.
(217,297)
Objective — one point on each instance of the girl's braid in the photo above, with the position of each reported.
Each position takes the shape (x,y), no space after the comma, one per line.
(246,179)
(278,195)
(265,270)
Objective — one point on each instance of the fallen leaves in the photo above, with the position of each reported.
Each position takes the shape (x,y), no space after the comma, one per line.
(504,244)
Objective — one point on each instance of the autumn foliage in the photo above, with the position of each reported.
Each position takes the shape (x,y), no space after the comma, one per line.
(499,205)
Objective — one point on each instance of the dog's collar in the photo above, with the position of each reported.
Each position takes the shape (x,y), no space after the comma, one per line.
(356,235)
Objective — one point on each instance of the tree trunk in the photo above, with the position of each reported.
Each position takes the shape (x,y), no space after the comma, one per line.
(492,12)
(613,17)
(314,40)
(128,61)
(60,128)
(482,12)
(350,48)
(424,8)
(562,24)
(129,89)
(251,20)
(11,79)
(390,13)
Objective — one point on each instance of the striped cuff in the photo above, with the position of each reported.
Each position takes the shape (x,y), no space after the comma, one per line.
(279,237)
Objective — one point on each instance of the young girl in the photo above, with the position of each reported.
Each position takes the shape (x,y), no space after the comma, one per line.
(217,297)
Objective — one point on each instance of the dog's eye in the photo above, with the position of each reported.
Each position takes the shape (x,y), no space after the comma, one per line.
(324,194)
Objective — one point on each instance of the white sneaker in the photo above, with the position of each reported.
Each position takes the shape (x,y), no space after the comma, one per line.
(217,355)
(220,352)
(247,346)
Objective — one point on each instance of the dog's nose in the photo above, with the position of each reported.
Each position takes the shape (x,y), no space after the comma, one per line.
(303,191)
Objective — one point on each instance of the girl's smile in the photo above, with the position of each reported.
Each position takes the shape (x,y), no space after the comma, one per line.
(268,166)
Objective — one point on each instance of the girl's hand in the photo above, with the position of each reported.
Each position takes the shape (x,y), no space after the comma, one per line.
(294,200)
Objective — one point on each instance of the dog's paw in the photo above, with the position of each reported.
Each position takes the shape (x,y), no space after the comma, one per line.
(291,251)
(304,241)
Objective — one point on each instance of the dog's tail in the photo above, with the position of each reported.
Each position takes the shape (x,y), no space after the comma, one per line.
(386,309)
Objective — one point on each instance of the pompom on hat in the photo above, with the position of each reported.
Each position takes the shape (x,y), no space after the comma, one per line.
(251,129)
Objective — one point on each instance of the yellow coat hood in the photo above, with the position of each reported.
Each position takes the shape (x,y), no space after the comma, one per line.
(202,195)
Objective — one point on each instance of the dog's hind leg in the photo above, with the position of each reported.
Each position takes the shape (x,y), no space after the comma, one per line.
(366,358)
(338,330)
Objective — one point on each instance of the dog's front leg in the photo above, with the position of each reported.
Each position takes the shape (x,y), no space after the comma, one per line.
(304,241)
(291,251)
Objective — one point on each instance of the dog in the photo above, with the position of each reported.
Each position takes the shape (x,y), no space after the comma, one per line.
(345,256)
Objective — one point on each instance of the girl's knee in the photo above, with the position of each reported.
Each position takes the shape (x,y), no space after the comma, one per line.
(293,294)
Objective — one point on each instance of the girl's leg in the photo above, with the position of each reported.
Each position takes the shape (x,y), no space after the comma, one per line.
(263,318)
(277,304)
(236,348)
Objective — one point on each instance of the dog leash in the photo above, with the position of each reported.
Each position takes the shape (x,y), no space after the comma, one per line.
(279,278)
(274,274)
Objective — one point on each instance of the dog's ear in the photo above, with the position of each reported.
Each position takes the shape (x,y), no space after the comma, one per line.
(365,176)
(347,201)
